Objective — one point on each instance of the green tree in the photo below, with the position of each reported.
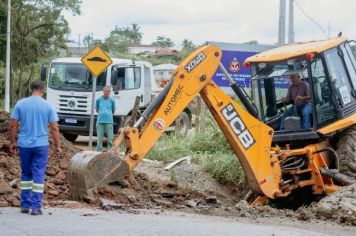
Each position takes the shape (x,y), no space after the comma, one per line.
(122,37)
(88,41)
(100,43)
(3,25)
(38,27)
(187,44)
(135,34)
(187,48)
(163,42)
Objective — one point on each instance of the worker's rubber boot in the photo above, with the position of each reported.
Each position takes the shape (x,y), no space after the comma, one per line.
(36,212)
(25,210)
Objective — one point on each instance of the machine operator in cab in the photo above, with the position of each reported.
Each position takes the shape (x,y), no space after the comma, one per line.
(299,93)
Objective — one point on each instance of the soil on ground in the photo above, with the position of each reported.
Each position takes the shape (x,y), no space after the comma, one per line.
(185,187)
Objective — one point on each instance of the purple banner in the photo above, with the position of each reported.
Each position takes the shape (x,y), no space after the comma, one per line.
(233,63)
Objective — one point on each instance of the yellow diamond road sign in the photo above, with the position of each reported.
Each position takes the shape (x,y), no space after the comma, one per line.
(96,61)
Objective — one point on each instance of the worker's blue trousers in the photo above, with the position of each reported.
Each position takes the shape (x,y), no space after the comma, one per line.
(33,164)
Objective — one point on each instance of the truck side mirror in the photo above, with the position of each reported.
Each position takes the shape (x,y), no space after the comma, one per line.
(114,78)
(43,72)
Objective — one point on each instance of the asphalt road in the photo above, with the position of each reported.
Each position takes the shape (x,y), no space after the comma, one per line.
(87,222)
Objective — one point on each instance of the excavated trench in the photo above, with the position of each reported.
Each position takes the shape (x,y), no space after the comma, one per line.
(186,187)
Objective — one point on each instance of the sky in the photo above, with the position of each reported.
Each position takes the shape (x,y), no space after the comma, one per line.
(233,21)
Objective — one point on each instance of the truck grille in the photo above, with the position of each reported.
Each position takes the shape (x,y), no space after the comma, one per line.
(77,104)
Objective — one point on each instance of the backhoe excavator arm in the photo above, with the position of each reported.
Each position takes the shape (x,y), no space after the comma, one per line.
(249,138)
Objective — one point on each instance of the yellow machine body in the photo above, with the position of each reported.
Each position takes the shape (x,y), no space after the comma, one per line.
(249,138)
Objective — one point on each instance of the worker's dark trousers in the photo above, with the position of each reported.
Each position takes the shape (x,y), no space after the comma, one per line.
(33,164)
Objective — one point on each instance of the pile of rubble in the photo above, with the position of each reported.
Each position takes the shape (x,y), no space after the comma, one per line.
(56,184)
(339,206)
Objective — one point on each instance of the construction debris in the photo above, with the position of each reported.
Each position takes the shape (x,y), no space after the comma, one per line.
(108,205)
(56,185)
(339,206)
(171,165)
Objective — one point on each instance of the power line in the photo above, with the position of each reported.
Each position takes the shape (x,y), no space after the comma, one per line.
(310,18)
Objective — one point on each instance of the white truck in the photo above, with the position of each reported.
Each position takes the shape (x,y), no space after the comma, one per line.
(69,89)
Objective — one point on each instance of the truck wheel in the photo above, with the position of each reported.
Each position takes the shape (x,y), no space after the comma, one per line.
(346,149)
(70,137)
(184,124)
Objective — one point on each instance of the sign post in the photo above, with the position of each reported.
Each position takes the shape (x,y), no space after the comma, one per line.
(91,125)
(96,61)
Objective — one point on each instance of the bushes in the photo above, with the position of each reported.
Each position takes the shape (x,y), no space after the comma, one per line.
(209,149)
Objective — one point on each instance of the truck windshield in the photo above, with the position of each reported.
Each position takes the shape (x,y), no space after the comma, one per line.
(73,76)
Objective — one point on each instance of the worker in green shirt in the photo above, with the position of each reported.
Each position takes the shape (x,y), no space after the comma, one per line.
(105,107)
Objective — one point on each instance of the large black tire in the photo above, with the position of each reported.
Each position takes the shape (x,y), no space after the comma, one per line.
(70,137)
(346,149)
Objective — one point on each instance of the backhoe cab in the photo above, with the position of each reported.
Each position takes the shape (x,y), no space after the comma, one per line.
(328,66)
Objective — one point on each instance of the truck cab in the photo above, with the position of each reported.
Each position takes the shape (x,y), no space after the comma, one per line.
(69,89)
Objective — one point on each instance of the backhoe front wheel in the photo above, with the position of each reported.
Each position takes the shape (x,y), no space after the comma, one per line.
(346,150)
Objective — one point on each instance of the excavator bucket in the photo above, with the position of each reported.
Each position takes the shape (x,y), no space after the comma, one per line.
(89,170)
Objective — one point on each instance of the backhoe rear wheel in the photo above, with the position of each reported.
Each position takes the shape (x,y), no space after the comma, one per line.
(346,149)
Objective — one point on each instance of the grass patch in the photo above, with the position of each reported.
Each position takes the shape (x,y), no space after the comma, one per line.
(209,149)
(169,148)
(225,168)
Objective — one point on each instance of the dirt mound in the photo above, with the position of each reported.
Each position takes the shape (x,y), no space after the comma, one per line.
(339,206)
(56,184)
(182,187)
(138,191)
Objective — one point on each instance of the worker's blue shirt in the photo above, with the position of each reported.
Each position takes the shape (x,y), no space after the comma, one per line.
(105,109)
(34,114)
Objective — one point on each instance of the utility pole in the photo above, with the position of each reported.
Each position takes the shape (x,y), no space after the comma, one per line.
(291,23)
(8,37)
(79,45)
(92,40)
(282,22)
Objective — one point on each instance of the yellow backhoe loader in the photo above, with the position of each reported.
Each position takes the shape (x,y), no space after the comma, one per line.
(272,172)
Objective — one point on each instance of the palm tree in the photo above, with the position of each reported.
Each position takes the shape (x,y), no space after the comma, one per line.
(134,33)
(163,42)
(88,40)
(187,44)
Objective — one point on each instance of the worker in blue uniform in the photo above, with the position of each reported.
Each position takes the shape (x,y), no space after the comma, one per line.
(30,119)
